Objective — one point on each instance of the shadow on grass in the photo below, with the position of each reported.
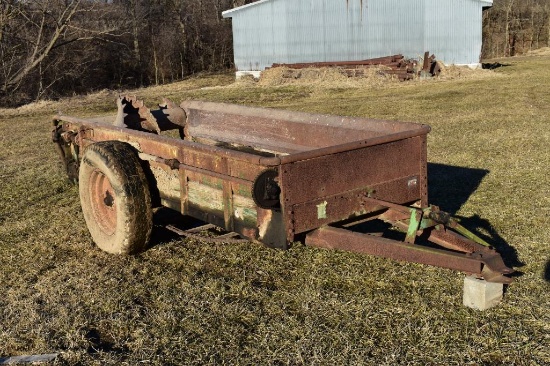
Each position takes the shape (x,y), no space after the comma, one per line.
(98,342)
(450,187)
(164,217)
(547,272)
(492,65)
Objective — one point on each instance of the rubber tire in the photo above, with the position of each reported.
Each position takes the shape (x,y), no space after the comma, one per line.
(120,220)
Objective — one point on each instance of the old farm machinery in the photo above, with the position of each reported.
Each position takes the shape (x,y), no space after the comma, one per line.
(269,176)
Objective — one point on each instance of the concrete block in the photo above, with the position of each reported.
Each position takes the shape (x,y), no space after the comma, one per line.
(480,294)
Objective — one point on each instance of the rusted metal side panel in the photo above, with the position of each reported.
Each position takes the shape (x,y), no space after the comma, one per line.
(206,201)
(362,168)
(161,146)
(221,164)
(245,213)
(280,126)
(168,185)
(223,161)
(229,204)
(219,201)
(331,188)
(270,133)
(423,183)
(323,211)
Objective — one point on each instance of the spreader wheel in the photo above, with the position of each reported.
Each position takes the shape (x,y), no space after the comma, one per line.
(115,197)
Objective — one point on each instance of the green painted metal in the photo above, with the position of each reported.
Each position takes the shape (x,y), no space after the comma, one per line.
(420,220)
(414,224)
(465,232)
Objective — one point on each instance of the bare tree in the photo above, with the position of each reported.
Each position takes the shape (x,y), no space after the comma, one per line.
(50,48)
(39,16)
(514,27)
(41,27)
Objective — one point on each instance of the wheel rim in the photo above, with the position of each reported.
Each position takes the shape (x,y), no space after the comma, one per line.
(102,197)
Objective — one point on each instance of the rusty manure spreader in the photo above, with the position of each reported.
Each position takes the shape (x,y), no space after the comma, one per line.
(268,176)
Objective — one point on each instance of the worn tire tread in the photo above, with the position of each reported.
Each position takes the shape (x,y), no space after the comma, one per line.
(120,163)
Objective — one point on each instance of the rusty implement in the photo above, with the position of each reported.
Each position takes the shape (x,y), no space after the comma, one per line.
(133,113)
(472,256)
(270,176)
(395,65)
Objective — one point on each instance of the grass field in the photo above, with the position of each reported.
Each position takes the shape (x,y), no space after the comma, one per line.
(187,302)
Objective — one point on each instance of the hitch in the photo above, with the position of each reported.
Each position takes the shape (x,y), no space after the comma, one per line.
(461,249)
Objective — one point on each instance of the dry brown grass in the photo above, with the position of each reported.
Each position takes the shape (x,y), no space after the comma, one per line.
(187,302)
(324,77)
(464,72)
(544,51)
(333,77)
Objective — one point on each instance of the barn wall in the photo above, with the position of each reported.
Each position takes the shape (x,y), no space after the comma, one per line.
(454,33)
(290,31)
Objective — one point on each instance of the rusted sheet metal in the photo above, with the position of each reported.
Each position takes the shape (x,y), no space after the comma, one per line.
(390,137)
(394,65)
(299,136)
(335,173)
(175,164)
(342,239)
(169,148)
(369,62)
(266,133)
(302,131)
(133,113)
(343,206)
(163,146)
(292,136)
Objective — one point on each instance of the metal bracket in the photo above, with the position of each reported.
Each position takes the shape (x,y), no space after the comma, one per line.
(414,223)
(460,248)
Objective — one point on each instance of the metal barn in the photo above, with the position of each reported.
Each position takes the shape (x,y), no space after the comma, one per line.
(295,31)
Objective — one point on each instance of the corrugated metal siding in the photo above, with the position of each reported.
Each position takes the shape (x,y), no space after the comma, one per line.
(395,26)
(454,33)
(290,31)
(259,35)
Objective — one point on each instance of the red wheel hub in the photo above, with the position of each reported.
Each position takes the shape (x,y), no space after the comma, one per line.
(103,202)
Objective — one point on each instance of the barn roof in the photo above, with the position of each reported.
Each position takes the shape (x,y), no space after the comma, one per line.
(229,13)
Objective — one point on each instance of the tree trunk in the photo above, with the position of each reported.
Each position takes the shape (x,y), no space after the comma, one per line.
(509,5)
(135,40)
